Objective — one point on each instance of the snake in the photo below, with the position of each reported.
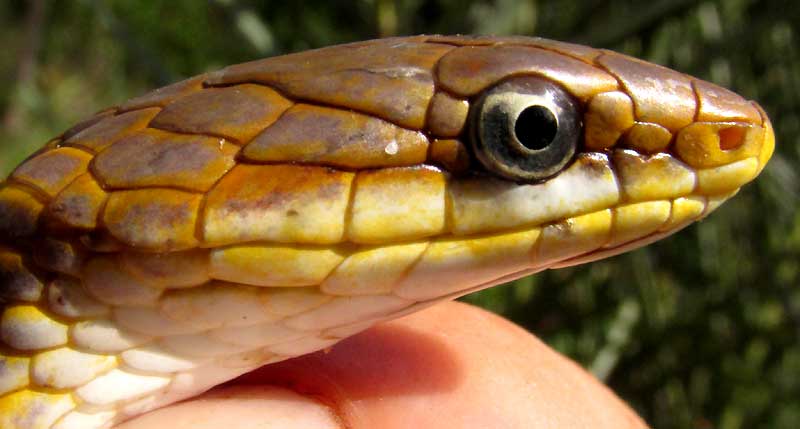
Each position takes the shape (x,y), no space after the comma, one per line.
(270,209)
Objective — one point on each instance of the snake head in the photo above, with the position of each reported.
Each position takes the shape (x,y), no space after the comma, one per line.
(463,161)
(272,208)
(496,157)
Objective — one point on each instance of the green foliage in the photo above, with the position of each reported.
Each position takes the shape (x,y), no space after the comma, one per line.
(698,331)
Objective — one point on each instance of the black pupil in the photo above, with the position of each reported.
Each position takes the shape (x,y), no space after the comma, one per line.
(536,127)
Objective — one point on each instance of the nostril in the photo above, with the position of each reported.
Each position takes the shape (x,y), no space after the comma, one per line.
(731,137)
(714,144)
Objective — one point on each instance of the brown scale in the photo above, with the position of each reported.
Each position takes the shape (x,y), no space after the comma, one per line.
(88,122)
(390,78)
(469,70)
(581,52)
(53,170)
(151,158)
(336,137)
(447,115)
(78,206)
(660,95)
(236,112)
(163,96)
(109,129)
(293,204)
(61,256)
(153,219)
(20,279)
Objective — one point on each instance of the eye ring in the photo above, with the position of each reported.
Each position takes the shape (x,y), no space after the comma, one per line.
(525,129)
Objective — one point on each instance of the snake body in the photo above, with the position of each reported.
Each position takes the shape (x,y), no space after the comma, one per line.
(273,208)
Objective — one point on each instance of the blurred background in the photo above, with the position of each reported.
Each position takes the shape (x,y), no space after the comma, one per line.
(698,331)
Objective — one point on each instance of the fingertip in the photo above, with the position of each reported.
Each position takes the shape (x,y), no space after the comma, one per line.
(242,407)
(456,366)
(452,365)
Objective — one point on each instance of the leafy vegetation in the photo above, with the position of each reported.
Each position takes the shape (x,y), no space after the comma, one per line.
(698,331)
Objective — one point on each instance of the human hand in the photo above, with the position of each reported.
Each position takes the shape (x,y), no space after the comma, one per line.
(452,365)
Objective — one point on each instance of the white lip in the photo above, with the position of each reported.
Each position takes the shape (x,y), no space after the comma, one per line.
(485,205)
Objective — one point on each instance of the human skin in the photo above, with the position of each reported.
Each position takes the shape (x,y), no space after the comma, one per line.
(452,365)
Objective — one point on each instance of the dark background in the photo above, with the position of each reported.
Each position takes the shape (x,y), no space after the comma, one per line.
(698,331)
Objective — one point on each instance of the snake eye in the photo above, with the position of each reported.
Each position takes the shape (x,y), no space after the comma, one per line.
(525,129)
